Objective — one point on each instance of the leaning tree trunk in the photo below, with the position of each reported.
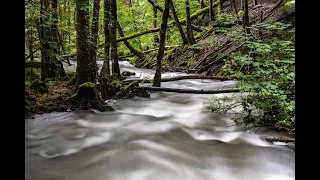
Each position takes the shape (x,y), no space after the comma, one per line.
(106,64)
(176,19)
(85,72)
(246,16)
(58,67)
(189,27)
(113,37)
(94,33)
(131,48)
(163,29)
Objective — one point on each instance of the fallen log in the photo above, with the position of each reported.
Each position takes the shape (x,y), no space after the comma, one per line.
(221,78)
(36,64)
(271,140)
(191,91)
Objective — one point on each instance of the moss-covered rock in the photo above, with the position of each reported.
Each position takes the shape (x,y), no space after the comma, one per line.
(39,86)
(87,97)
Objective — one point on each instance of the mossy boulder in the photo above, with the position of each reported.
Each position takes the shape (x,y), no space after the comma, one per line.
(39,86)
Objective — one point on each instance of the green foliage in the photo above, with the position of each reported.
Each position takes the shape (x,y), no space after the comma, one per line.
(225,19)
(267,68)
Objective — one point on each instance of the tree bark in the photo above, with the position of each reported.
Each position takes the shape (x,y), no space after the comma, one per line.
(163,29)
(246,17)
(30,49)
(176,19)
(106,64)
(190,91)
(211,12)
(58,69)
(201,4)
(189,27)
(94,33)
(44,37)
(154,25)
(113,37)
(85,71)
(131,48)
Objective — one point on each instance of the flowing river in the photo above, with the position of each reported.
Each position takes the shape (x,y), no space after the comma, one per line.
(169,136)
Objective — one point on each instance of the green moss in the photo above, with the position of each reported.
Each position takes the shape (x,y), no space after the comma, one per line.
(39,86)
(87,84)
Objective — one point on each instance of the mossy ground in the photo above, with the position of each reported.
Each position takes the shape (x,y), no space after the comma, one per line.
(53,101)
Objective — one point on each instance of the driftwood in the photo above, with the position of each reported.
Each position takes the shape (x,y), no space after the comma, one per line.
(191,91)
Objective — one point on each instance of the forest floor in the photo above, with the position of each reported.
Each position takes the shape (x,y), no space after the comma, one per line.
(52,101)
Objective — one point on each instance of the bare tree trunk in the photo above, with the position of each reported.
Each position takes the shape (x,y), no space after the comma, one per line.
(201,4)
(43,36)
(211,11)
(30,49)
(189,27)
(113,37)
(85,72)
(94,33)
(176,19)
(131,48)
(255,2)
(106,64)
(235,9)
(246,17)
(154,25)
(163,29)
(58,67)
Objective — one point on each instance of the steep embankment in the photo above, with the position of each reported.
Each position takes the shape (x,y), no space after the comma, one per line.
(217,42)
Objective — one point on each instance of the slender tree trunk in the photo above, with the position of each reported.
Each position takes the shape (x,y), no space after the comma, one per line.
(44,38)
(163,29)
(113,37)
(94,33)
(69,22)
(106,64)
(154,25)
(176,19)
(255,2)
(201,4)
(246,17)
(189,27)
(211,12)
(219,6)
(131,48)
(30,49)
(85,72)
(235,9)
(58,67)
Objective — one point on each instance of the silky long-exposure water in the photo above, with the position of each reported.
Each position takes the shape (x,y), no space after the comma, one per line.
(169,136)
